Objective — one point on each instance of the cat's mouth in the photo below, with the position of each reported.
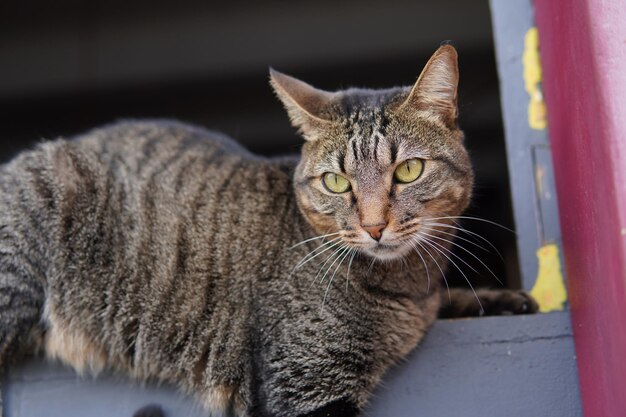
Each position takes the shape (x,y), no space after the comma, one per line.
(387,250)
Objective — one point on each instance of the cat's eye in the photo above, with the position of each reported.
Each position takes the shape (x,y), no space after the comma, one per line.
(409,170)
(335,183)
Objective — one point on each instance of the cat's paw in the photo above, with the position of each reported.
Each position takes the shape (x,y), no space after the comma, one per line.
(506,302)
(486,302)
(151,410)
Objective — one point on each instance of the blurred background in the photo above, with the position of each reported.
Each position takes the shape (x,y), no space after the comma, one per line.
(70,65)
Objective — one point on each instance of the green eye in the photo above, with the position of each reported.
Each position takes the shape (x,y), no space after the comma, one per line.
(409,170)
(335,183)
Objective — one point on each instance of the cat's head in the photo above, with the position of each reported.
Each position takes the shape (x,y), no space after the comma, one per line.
(379,165)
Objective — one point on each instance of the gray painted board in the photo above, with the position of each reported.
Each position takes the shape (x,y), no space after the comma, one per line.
(488,367)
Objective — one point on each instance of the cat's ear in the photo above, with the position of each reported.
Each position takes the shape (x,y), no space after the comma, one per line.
(306,105)
(436,88)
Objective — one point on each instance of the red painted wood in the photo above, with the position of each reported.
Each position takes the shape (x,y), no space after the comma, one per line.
(583,52)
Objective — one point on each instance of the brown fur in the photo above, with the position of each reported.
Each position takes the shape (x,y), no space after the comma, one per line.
(167,252)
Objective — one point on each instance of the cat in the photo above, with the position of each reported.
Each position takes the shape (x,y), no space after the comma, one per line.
(268,287)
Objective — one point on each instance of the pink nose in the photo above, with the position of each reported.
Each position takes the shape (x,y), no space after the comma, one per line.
(375,231)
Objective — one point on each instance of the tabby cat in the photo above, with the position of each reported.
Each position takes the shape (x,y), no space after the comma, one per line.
(269,287)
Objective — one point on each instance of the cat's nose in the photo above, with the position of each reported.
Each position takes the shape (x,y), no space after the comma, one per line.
(375,230)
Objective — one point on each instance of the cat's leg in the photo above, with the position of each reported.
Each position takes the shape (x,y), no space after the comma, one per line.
(331,389)
(462,302)
(21,302)
(338,408)
(152,410)
(335,408)
(316,381)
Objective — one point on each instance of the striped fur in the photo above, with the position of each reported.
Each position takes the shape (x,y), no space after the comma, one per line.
(167,252)
(164,253)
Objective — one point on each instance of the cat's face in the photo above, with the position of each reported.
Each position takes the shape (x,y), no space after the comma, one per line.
(378,164)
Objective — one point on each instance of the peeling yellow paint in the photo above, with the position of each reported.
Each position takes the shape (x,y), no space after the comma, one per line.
(540,173)
(532,80)
(549,290)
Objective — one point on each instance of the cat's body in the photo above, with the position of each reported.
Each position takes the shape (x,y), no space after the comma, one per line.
(146,230)
(170,253)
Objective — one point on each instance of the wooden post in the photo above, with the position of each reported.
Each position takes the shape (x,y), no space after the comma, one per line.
(527,148)
(583,50)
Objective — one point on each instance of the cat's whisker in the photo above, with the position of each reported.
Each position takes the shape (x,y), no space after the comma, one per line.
(354,252)
(470,218)
(430,243)
(404,263)
(327,260)
(455,236)
(339,256)
(429,239)
(354,243)
(369,269)
(330,282)
(322,245)
(443,275)
(469,252)
(314,238)
(309,257)
(469,232)
(425,266)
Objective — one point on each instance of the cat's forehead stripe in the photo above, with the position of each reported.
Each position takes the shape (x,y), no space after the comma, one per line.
(341,160)
(354,151)
(393,150)
(375,147)
(367,128)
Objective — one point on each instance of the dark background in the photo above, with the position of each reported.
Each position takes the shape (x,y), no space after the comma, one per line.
(68,65)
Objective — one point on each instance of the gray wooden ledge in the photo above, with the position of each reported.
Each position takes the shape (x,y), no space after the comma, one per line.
(488,367)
